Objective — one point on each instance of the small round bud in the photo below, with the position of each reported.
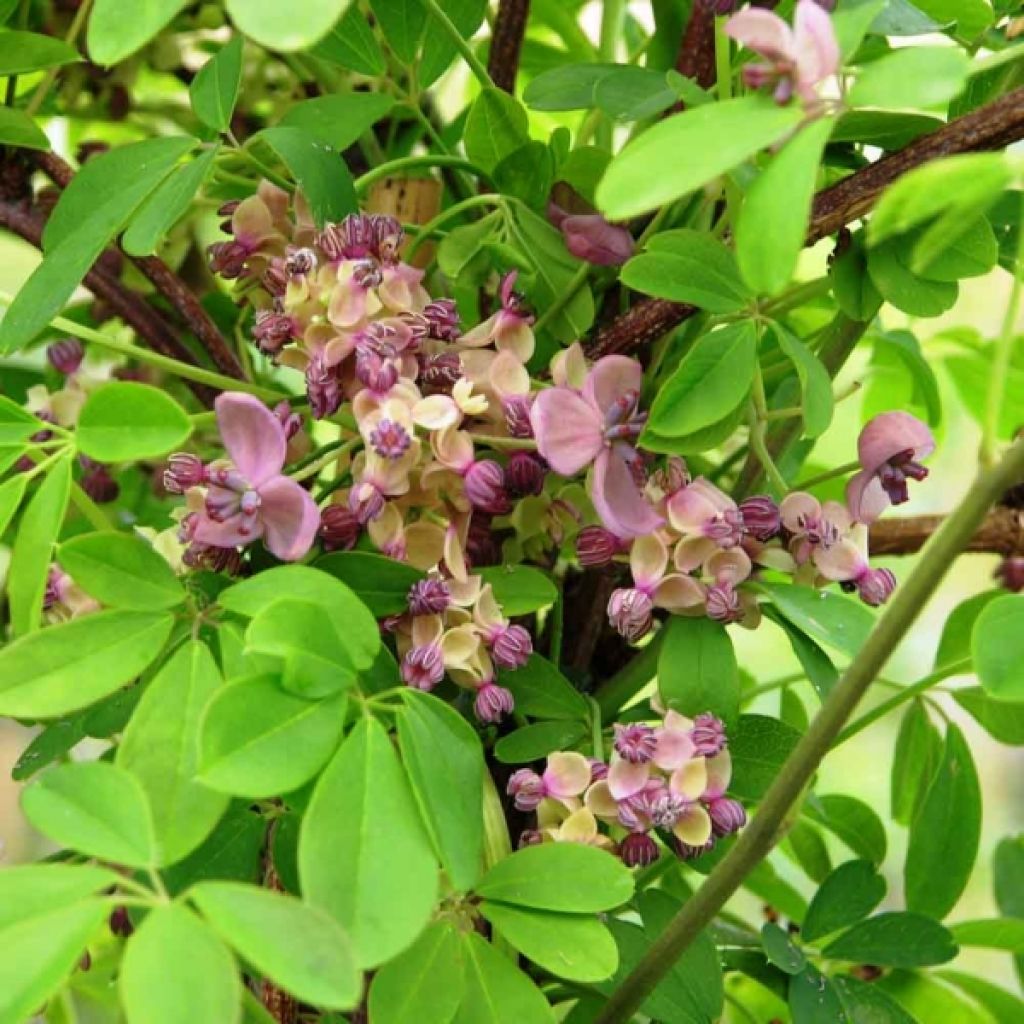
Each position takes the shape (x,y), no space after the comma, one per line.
(708,735)
(761,518)
(525,474)
(596,546)
(65,356)
(183,471)
(631,613)
(1011,573)
(727,816)
(485,487)
(429,597)
(526,788)
(635,742)
(875,586)
(423,667)
(511,647)
(492,703)
(638,850)
(339,528)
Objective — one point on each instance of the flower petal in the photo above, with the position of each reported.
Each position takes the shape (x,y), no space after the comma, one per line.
(689,780)
(600,802)
(677,592)
(817,51)
(625,779)
(763,32)
(648,560)
(674,748)
(866,497)
(567,774)
(693,826)
(290,518)
(579,827)
(253,436)
(568,430)
(889,434)
(798,508)
(719,774)
(610,379)
(232,533)
(617,499)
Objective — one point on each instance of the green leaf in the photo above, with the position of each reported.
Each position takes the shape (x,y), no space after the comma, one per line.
(997,644)
(855,292)
(565,877)
(914,762)
(72,665)
(772,222)
(847,896)
(280,27)
(853,821)
(339,120)
(38,953)
(402,22)
(566,86)
(815,383)
(570,946)
(439,48)
(898,355)
(124,421)
(1005,1007)
(318,171)
(999,933)
(913,76)
(814,661)
(951,249)
(256,740)
(349,614)
(214,91)
(18,129)
(24,52)
(116,31)
(35,890)
(381,583)
(805,842)
(422,984)
(711,381)
(95,808)
(1003,720)
(531,742)
(697,669)
(298,947)
(889,267)
(121,570)
(955,641)
(352,44)
(887,129)
(495,127)
(520,589)
(832,619)
(33,548)
(541,691)
(813,999)
(160,748)
(167,204)
(716,137)
(1008,880)
(630,93)
(866,1003)
(688,266)
(894,939)
(945,834)
(758,745)
(16,424)
(781,950)
(928,999)
(852,23)
(444,758)
(496,991)
(527,173)
(364,855)
(176,969)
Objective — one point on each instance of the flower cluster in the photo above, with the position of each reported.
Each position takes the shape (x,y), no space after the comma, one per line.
(670,777)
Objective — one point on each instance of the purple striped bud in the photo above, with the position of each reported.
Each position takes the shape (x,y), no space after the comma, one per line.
(429,597)
(493,703)
(423,667)
(631,613)
(598,769)
(65,356)
(635,743)
(1011,573)
(439,373)
(875,586)
(183,471)
(526,788)
(596,546)
(687,852)
(323,388)
(375,371)
(726,529)
(517,415)
(525,474)
(761,518)
(723,603)
(485,487)
(511,647)
(727,816)
(291,421)
(638,850)
(442,317)
(299,262)
(272,331)
(366,502)
(339,528)
(667,809)
(707,735)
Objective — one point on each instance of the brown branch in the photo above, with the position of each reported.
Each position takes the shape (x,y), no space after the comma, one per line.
(130,307)
(165,280)
(992,126)
(696,58)
(506,43)
(1001,532)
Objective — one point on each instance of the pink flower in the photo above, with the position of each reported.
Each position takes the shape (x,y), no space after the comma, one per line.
(508,329)
(574,428)
(707,518)
(812,524)
(846,562)
(798,59)
(591,238)
(565,778)
(250,498)
(890,449)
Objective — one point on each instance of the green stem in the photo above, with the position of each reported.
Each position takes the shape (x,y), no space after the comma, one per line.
(44,87)
(596,736)
(758,418)
(757,839)
(326,459)
(487,199)
(723,61)
(408,163)
(831,474)
(96,516)
(461,44)
(143,355)
(797,296)
(784,414)
(579,279)
(616,692)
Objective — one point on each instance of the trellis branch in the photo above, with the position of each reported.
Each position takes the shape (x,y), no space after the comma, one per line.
(696,58)
(507,43)
(1000,532)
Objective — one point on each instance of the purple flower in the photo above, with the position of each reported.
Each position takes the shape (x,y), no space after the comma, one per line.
(485,487)
(492,703)
(290,421)
(183,471)
(631,612)
(591,238)
(722,603)
(423,667)
(511,647)
(526,788)
(66,355)
(727,816)
(429,597)
(390,440)
(322,387)
(875,586)
(760,517)
(638,850)
(251,498)
(442,316)
(708,735)
(635,743)
(525,474)
(272,331)
(596,546)
(339,528)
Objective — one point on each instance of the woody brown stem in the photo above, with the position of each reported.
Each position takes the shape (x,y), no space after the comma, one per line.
(992,126)
(507,42)
(696,58)
(1000,532)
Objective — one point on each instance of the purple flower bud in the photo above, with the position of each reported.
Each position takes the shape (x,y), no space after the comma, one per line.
(635,743)
(511,647)
(120,923)
(216,559)
(291,421)
(529,837)
(723,603)
(366,503)
(375,371)
(299,262)
(57,583)
(485,487)
(439,372)
(596,546)
(875,586)
(525,474)
(726,529)
(275,278)
(228,258)
(492,703)
(526,788)
(183,471)
(598,769)
(390,440)
(708,735)
(482,547)
(323,388)
(65,356)
(429,597)
(272,331)
(590,237)
(667,809)
(442,316)
(631,613)
(687,852)
(98,483)
(339,528)
(1011,573)
(760,517)
(423,667)
(517,415)
(727,816)
(638,850)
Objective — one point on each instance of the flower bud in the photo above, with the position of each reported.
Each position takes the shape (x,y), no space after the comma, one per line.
(517,415)
(687,852)
(708,735)
(299,262)
(183,471)
(723,603)
(439,373)
(375,371)
(596,546)
(631,613)
(526,788)
(339,528)
(120,923)
(323,388)
(727,816)
(485,487)
(511,647)
(98,483)
(635,743)
(761,518)
(291,421)
(875,586)
(65,356)
(272,331)
(423,667)
(591,238)
(429,597)
(525,474)
(638,850)
(598,769)
(442,318)
(492,703)
(529,837)
(1011,573)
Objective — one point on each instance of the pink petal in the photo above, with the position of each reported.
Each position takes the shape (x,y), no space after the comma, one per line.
(690,780)
(866,497)
(763,32)
(232,533)
(890,433)
(569,431)
(253,436)
(567,774)
(648,560)
(290,518)
(694,826)
(719,775)
(674,748)
(797,507)
(617,499)
(610,379)
(676,592)
(817,51)
(840,561)
(590,237)
(626,779)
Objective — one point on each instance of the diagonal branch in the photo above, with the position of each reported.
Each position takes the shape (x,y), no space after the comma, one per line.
(1001,532)
(696,58)
(992,126)
(507,42)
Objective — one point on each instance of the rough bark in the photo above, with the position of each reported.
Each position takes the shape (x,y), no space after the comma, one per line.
(507,42)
